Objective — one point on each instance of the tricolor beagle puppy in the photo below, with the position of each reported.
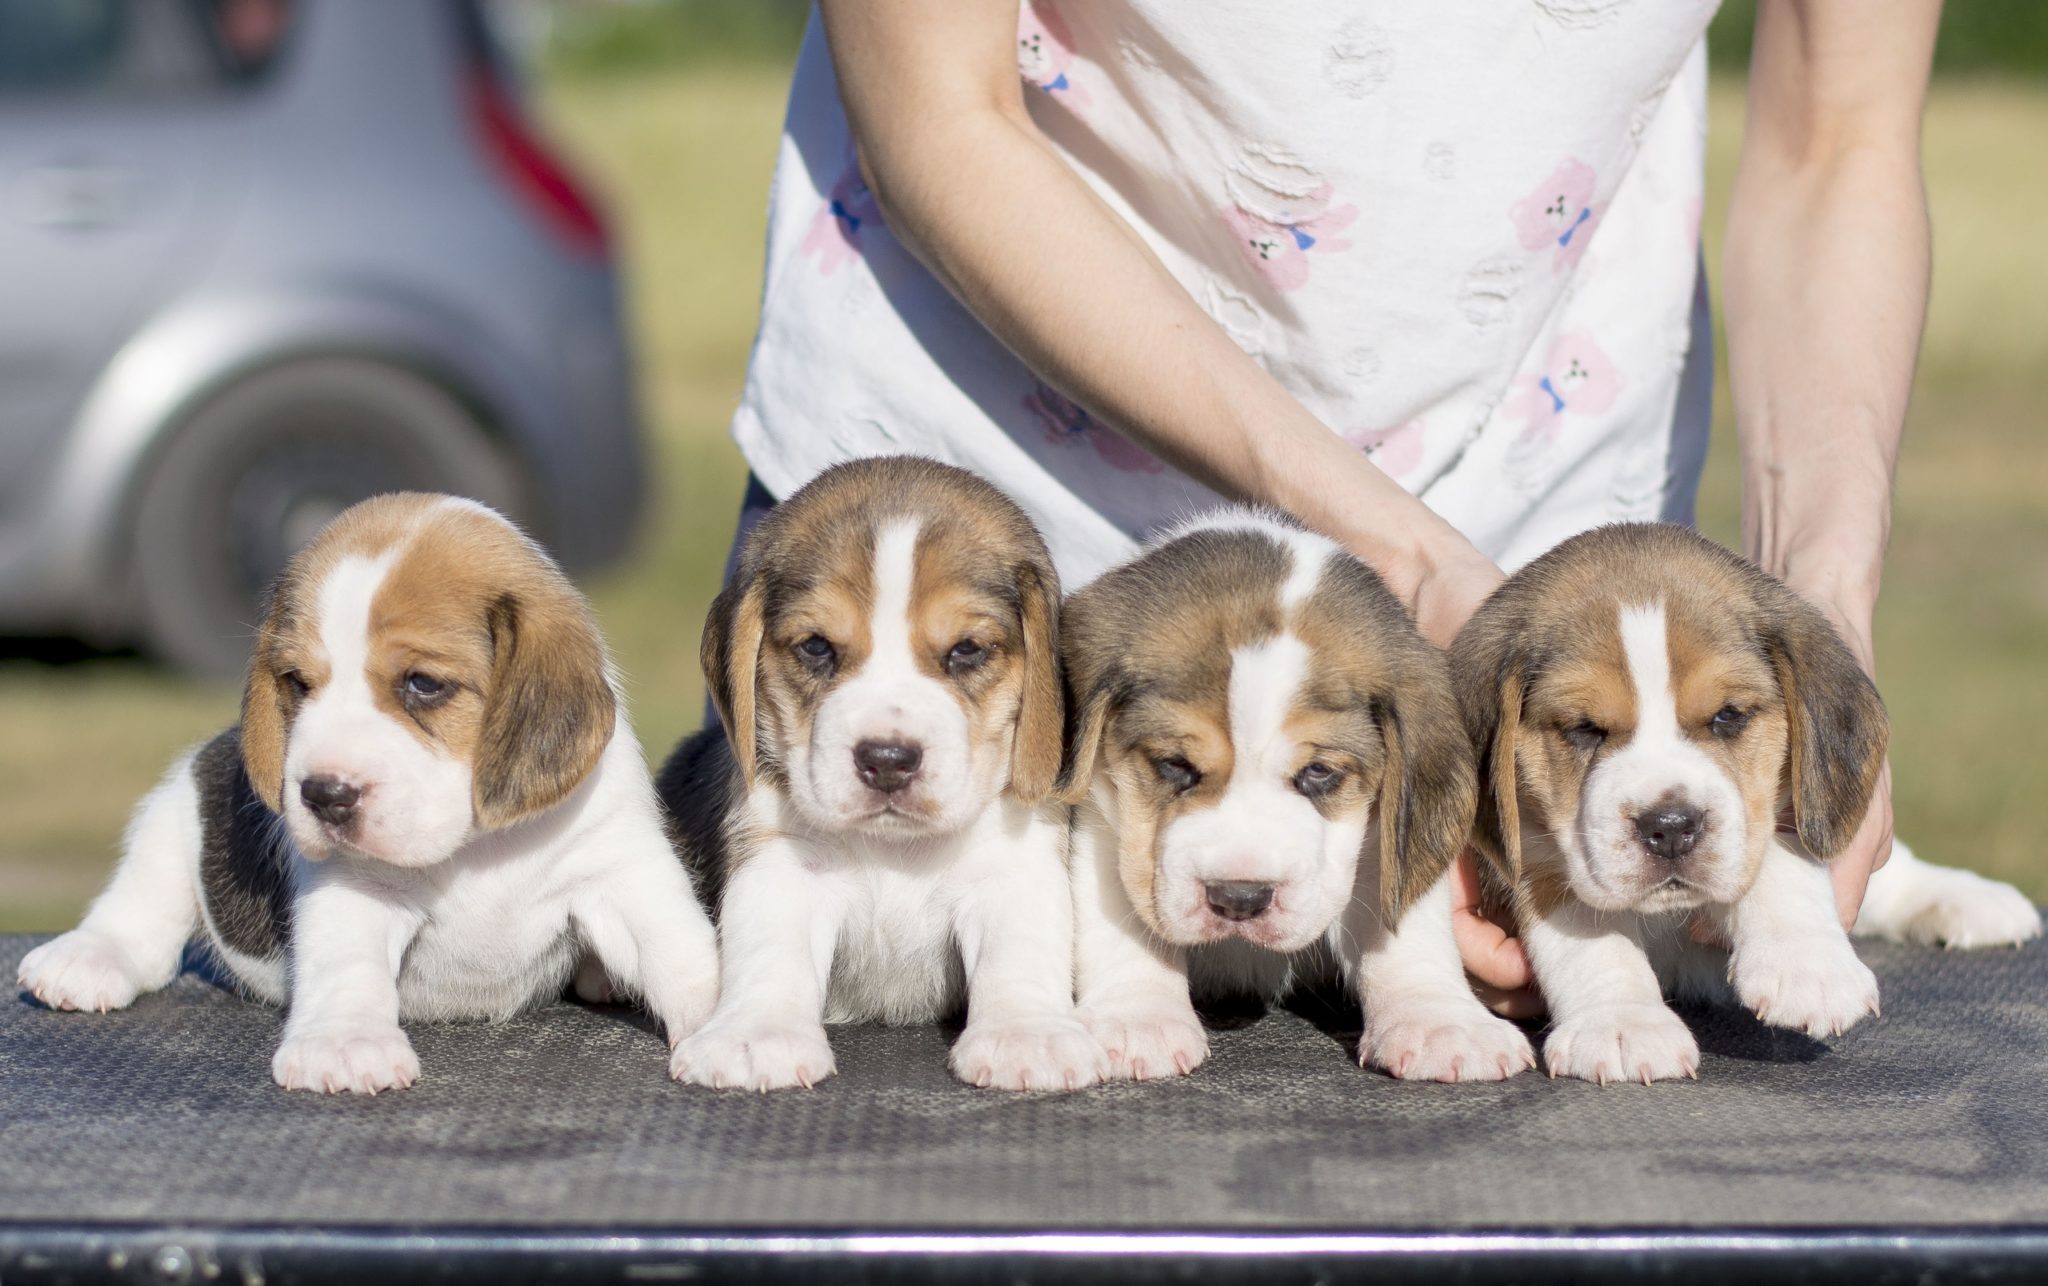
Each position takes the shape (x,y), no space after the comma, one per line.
(871,819)
(1646,706)
(432,807)
(1272,779)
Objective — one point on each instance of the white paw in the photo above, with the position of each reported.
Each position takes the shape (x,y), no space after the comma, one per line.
(1146,1042)
(753,1058)
(1448,1038)
(1962,910)
(83,971)
(1047,1053)
(1635,1042)
(345,1060)
(1810,984)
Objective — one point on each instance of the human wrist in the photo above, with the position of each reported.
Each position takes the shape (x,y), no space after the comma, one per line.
(1823,534)
(1838,570)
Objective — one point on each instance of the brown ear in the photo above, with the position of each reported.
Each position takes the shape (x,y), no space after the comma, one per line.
(267,703)
(1488,673)
(1041,711)
(551,710)
(1497,824)
(1836,726)
(1087,722)
(1426,788)
(731,657)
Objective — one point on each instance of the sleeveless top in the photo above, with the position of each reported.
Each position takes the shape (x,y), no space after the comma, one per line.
(1464,236)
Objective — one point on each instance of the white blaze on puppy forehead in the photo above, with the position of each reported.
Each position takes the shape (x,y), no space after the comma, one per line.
(345,601)
(1263,681)
(1645,643)
(895,575)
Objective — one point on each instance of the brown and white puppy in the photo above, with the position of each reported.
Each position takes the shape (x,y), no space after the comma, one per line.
(872,816)
(1272,781)
(432,806)
(1647,705)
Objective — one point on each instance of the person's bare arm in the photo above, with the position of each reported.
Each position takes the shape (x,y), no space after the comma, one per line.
(968,183)
(1827,267)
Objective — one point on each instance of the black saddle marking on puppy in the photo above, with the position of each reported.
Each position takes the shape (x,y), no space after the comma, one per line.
(244,853)
(699,789)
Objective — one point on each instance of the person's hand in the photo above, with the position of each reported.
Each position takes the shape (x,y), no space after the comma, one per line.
(1871,847)
(1453,587)
(1852,868)
(1494,958)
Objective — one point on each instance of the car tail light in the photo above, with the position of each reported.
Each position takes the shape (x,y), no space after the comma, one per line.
(533,172)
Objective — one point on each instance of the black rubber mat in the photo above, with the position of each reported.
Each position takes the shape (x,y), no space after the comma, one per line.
(165,1113)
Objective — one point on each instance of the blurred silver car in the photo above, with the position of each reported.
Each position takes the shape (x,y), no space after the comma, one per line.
(260,259)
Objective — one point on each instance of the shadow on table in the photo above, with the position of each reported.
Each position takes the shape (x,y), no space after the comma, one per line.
(1722,1031)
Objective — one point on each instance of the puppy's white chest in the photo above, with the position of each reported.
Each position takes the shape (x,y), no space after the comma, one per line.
(494,940)
(896,960)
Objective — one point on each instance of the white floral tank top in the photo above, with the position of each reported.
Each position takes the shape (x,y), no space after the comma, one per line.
(1465,236)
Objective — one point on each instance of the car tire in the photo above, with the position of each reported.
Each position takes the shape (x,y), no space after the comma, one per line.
(251,475)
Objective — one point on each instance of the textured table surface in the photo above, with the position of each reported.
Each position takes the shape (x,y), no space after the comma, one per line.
(1933,1115)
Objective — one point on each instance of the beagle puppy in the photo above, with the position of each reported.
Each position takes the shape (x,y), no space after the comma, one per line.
(1646,706)
(1271,781)
(432,806)
(870,819)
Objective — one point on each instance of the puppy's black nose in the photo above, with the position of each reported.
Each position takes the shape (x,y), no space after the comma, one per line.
(887,765)
(1669,830)
(1239,899)
(331,799)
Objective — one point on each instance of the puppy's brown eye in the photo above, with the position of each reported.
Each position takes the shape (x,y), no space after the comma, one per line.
(1585,734)
(295,683)
(1729,722)
(1317,779)
(424,691)
(817,654)
(1177,773)
(966,655)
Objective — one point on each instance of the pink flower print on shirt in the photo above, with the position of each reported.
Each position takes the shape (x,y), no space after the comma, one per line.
(1577,379)
(1045,53)
(1560,212)
(1278,243)
(1396,451)
(1068,424)
(848,214)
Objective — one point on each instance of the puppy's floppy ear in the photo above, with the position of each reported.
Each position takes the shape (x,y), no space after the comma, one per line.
(1836,725)
(267,704)
(731,657)
(550,712)
(1041,711)
(1426,789)
(1487,674)
(1087,722)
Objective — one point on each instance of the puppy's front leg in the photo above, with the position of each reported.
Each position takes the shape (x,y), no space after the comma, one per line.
(647,929)
(1014,924)
(1609,1019)
(778,925)
(1132,989)
(1422,1021)
(134,936)
(1789,960)
(341,1033)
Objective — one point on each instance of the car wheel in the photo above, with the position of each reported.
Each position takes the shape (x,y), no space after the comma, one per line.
(262,466)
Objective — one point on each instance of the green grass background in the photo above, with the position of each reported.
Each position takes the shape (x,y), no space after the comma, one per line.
(683,144)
